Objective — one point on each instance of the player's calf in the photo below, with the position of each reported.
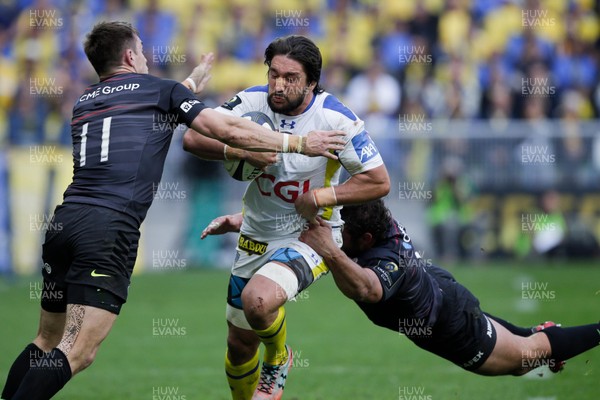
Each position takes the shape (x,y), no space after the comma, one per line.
(242,365)
(242,344)
(535,353)
(568,342)
(50,331)
(44,379)
(19,369)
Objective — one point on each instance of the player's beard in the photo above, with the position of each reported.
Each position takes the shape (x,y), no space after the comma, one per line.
(286,107)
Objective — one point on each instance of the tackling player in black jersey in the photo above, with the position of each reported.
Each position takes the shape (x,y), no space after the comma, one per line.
(121,130)
(380,269)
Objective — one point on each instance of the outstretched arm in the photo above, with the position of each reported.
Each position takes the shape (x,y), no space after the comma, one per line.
(223,224)
(358,283)
(245,134)
(211,149)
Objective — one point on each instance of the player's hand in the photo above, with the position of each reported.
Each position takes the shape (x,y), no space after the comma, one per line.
(223,224)
(319,237)
(306,206)
(200,75)
(321,143)
(260,159)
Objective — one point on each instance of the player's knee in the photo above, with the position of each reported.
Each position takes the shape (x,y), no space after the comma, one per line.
(86,361)
(255,305)
(259,306)
(81,360)
(519,372)
(270,288)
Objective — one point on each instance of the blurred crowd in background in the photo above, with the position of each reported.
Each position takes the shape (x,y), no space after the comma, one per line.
(438,58)
(405,67)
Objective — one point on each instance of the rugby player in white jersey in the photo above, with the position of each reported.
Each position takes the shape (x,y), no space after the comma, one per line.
(272,266)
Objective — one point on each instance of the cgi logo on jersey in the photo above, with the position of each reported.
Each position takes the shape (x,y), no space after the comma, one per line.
(364,147)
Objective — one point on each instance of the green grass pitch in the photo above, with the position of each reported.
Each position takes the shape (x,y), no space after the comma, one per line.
(169,341)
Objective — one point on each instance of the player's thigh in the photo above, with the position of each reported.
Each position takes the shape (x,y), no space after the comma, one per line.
(107,261)
(97,248)
(302,267)
(297,257)
(288,271)
(57,255)
(462,334)
(234,312)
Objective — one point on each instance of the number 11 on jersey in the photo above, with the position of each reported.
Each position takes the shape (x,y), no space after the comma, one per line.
(105,141)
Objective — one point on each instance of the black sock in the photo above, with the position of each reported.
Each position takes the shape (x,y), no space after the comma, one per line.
(515,330)
(569,342)
(45,378)
(19,368)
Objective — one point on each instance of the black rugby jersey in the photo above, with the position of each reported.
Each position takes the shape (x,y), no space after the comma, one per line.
(411,293)
(121,131)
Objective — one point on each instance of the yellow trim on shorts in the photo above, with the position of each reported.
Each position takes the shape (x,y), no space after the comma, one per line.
(319,270)
(330,170)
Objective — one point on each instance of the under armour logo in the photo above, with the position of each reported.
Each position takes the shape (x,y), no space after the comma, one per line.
(284,124)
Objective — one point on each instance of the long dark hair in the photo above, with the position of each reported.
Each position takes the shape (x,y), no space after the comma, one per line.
(301,49)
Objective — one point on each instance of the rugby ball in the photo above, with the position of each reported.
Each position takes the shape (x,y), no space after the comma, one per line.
(240,169)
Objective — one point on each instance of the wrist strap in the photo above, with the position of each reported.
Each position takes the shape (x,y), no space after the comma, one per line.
(301,145)
(295,144)
(192,84)
(286,143)
(324,197)
(314,197)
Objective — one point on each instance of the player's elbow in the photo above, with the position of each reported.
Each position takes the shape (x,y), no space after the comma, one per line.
(376,183)
(356,290)
(384,181)
(364,294)
(383,187)
(380,184)
(359,294)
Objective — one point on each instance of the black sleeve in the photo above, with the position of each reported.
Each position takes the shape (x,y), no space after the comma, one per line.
(184,104)
(390,275)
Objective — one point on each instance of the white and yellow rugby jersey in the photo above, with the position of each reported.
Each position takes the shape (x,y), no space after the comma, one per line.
(268,204)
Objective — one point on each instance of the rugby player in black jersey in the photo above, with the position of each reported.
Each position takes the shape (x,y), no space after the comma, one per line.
(378,267)
(120,141)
